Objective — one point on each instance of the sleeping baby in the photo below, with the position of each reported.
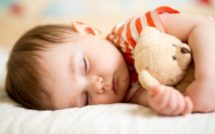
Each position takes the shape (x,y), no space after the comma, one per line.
(62,66)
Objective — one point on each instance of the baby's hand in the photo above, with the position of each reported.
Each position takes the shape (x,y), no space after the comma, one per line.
(166,100)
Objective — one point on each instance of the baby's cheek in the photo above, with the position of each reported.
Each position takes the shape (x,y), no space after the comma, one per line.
(106,99)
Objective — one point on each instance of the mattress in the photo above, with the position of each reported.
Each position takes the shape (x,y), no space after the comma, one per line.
(96,119)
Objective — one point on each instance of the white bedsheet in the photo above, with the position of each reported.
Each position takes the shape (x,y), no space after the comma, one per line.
(98,119)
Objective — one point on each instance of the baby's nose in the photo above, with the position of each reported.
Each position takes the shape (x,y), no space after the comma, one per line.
(99,84)
(185,50)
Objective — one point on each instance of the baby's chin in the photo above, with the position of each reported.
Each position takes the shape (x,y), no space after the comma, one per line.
(124,89)
(125,82)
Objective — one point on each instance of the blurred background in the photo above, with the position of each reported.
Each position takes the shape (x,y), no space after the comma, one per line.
(17,16)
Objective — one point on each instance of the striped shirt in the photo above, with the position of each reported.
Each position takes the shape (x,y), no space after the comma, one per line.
(126,34)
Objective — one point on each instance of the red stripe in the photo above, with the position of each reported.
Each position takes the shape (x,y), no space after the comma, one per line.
(119,34)
(127,54)
(129,35)
(149,19)
(138,25)
(166,9)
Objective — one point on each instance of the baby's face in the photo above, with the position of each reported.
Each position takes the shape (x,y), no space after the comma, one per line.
(90,71)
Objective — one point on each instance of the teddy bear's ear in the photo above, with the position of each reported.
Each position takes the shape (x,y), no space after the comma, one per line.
(84,28)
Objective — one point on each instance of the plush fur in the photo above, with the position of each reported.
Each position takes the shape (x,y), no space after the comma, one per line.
(160,58)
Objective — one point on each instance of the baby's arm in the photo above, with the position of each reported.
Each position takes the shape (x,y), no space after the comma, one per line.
(165,100)
(199,32)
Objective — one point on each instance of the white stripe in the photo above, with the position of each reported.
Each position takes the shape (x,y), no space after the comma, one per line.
(157,21)
(116,28)
(130,46)
(123,39)
(119,25)
(124,31)
(122,48)
(134,32)
(121,43)
(135,86)
(114,38)
(132,54)
(143,21)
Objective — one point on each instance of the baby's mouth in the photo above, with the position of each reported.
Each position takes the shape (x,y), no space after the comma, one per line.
(114,85)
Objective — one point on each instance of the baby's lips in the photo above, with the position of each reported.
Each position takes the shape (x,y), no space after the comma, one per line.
(114,86)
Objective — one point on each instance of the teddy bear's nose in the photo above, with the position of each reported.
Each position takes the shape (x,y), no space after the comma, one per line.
(184,50)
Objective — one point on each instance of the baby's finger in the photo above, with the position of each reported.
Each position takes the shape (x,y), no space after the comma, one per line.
(165,100)
(157,97)
(176,104)
(170,104)
(180,104)
(188,106)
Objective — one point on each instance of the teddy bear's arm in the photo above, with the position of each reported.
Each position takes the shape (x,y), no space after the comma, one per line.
(147,80)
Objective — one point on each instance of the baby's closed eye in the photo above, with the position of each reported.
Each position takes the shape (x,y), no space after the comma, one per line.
(86,65)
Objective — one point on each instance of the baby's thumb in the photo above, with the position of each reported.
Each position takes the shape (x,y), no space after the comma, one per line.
(154,90)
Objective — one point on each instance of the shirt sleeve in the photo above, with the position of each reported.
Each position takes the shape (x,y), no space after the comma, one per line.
(125,34)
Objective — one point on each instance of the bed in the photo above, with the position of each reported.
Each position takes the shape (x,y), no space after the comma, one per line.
(98,119)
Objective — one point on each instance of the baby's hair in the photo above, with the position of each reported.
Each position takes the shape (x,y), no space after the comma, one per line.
(24,81)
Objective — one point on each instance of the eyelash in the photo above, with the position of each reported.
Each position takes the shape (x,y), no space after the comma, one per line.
(86,71)
(87,98)
(85,65)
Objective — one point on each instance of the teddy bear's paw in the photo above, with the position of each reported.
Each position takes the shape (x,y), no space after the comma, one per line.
(147,80)
(166,100)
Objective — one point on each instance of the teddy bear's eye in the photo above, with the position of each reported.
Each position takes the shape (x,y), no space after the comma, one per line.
(174,57)
(184,50)
(174,45)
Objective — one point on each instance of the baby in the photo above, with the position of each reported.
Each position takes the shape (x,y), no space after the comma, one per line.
(59,66)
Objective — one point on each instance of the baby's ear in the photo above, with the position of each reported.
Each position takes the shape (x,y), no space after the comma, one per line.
(84,28)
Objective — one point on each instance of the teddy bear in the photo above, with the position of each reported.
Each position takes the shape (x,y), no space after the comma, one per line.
(160,58)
